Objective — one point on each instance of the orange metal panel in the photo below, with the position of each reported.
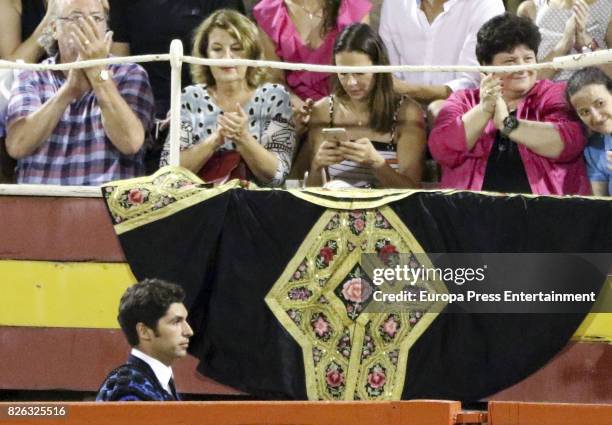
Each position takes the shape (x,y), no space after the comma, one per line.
(509,413)
(248,413)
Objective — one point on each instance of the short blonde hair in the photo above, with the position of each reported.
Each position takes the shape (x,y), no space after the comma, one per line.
(238,26)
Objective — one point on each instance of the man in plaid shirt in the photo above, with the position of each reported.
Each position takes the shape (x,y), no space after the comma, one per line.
(85,126)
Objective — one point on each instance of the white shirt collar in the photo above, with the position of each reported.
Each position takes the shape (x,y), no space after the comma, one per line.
(162,372)
(446,5)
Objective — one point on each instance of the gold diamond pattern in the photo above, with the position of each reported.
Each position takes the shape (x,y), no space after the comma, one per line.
(346,358)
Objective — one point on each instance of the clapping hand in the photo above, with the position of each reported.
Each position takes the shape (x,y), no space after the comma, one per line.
(216,139)
(564,46)
(581,14)
(234,125)
(490,90)
(501,112)
(91,42)
(77,83)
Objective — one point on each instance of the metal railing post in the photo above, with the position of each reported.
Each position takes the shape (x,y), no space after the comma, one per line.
(176,63)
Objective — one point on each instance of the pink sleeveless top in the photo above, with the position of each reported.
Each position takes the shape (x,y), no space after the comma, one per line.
(273,17)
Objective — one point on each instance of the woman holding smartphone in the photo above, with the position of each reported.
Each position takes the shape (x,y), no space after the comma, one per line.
(374,137)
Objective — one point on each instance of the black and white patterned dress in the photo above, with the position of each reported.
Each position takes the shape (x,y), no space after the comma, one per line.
(269,111)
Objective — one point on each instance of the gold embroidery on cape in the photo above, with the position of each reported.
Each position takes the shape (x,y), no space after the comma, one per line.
(136,202)
(351,199)
(322,297)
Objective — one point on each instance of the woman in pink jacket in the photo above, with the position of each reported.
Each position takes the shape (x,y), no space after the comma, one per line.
(514,134)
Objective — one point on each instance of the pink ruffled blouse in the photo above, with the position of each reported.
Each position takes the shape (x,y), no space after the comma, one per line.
(273,17)
(465,169)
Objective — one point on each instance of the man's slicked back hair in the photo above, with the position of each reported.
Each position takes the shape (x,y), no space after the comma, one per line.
(147,302)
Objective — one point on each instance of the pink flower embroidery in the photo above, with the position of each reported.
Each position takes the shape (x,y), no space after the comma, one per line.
(334,378)
(355,290)
(359,225)
(390,327)
(376,379)
(320,326)
(135,196)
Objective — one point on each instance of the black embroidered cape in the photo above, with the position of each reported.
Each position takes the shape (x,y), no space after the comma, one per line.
(270,279)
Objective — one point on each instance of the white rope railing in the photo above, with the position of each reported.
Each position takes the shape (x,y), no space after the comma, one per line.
(4,64)
(565,62)
(177,58)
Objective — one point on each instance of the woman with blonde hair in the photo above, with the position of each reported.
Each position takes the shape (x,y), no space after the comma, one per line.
(231,125)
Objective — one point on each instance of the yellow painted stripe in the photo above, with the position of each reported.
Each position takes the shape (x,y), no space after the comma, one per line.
(86,295)
(51,294)
(596,327)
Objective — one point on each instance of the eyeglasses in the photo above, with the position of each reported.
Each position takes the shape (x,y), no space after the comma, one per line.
(97,17)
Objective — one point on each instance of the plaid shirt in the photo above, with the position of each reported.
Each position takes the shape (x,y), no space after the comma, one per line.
(78,151)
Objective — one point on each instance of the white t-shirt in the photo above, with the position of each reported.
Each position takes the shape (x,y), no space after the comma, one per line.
(449,40)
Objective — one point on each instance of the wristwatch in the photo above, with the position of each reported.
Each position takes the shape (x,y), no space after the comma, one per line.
(104,75)
(510,124)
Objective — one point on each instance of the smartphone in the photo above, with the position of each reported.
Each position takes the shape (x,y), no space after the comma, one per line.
(335,134)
